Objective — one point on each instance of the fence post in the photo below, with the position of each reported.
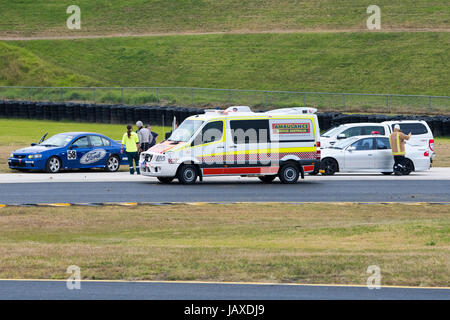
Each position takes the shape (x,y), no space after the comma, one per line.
(387,104)
(429,103)
(121,93)
(265,99)
(229,96)
(157,94)
(29,95)
(304,99)
(344,102)
(60,94)
(164,128)
(192,96)
(95,95)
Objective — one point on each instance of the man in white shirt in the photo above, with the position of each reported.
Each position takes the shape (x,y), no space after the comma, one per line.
(144,137)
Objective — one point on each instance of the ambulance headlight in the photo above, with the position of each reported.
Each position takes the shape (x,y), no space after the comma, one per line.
(160,158)
(11,155)
(35,156)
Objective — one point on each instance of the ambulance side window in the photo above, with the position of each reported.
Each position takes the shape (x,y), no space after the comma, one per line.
(211,132)
(250,131)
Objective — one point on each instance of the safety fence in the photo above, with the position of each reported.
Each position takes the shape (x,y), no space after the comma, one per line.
(159,115)
(258,99)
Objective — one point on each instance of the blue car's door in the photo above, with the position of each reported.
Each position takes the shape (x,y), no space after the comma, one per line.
(77,152)
(100,151)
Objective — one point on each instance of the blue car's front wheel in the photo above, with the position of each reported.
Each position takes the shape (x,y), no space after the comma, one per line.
(53,165)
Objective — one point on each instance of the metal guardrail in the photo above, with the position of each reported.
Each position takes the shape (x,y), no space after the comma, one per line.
(262,99)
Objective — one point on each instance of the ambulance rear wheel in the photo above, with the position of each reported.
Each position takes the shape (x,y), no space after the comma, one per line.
(267,179)
(187,174)
(165,179)
(289,173)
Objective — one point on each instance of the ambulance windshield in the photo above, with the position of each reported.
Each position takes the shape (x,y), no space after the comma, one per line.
(185,131)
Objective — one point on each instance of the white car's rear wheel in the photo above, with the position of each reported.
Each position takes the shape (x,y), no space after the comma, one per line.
(329,166)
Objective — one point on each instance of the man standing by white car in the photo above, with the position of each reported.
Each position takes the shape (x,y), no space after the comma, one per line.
(144,135)
(397,140)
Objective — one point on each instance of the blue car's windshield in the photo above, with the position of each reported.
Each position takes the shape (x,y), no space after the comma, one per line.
(59,140)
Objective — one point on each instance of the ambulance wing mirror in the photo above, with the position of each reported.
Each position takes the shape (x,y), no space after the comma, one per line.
(351,148)
(341,136)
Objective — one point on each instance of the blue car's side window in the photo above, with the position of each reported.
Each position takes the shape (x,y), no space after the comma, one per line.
(106,142)
(96,141)
(82,142)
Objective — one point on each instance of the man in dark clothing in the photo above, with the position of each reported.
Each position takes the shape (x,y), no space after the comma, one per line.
(153,136)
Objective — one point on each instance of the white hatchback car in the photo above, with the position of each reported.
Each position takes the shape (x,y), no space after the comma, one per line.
(370,154)
(421,132)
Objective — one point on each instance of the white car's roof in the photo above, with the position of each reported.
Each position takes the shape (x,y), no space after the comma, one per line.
(404,121)
(361,124)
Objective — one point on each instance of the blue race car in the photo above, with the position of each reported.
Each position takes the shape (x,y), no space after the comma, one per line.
(70,150)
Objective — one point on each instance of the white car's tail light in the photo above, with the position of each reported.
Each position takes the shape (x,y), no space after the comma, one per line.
(318,152)
(431,144)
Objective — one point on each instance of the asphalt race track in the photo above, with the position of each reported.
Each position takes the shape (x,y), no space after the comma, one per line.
(116,290)
(122,187)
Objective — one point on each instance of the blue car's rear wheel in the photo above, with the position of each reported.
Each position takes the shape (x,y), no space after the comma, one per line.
(53,165)
(112,164)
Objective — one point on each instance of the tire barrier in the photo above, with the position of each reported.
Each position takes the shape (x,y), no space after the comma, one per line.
(163,115)
(118,114)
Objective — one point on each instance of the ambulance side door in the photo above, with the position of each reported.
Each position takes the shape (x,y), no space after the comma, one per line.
(209,146)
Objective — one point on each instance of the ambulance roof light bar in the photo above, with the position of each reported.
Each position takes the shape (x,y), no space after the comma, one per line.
(293,111)
(231,110)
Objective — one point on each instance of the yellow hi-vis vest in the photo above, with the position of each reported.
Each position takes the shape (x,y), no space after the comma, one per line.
(397,141)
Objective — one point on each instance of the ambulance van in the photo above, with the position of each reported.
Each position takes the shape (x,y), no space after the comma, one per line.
(283,143)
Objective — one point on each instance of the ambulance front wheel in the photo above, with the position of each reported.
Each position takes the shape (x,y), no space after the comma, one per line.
(187,174)
(267,179)
(289,173)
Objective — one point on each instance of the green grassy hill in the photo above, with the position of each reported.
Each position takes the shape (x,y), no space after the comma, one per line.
(265,46)
(335,62)
(18,66)
(48,17)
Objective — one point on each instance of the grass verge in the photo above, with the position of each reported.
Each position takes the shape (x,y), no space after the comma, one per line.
(310,243)
(442,147)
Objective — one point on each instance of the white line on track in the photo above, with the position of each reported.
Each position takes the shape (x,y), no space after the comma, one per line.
(433,174)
